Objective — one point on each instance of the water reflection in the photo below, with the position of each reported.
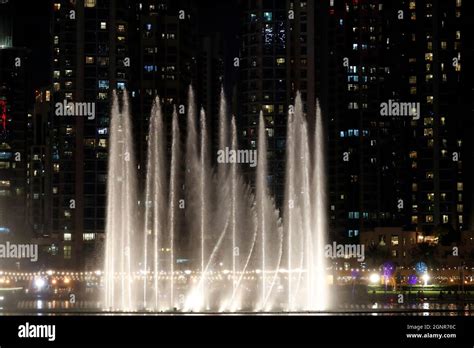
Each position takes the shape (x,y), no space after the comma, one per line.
(40,306)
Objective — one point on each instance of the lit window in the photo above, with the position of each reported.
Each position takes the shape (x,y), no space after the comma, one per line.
(268,108)
(121,28)
(267,16)
(103,84)
(460,186)
(88,236)
(121,85)
(394,240)
(89,60)
(280,61)
(414,219)
(445,219)
(4,183)
(89,3)
(103,25)
(57,6)
(150,68)
(67,236)
(67,250)
(102,143)
(428,132)
(102,131)
(102,96)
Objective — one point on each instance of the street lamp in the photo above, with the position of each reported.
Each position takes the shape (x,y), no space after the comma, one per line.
(374,278)
(425,278)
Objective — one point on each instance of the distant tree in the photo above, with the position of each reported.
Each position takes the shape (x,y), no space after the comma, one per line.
(425,252)
(376,254)
(446,234)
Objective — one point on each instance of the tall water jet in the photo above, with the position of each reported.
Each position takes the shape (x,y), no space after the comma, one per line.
(268,223)
(288,208)
(261,188)
(121,223)
(204,200)
(222,186)
(304,213)
(233,209)
(192,213)
(155,203)
(236,244)
(320,215)
(173,200)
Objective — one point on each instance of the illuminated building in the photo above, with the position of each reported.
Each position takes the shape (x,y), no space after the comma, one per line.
(14,102)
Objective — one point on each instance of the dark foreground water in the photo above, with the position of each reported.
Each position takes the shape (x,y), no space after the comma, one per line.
(64,307)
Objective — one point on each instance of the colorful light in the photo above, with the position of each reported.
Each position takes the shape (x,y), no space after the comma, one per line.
(3,114)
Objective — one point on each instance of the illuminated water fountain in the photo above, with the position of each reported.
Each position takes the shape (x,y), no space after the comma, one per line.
(206,240)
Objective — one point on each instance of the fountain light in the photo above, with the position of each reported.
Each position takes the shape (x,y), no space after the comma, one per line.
(425,278)
(40,283)
(374,278)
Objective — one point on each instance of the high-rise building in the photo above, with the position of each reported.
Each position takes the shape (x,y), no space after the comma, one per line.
(354,56)
(39,176)
(164,57)
(147,47)
(90,56)
(276,60)
(14,105)
(395,170)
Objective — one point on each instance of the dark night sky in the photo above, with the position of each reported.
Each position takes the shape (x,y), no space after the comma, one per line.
(31,30)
